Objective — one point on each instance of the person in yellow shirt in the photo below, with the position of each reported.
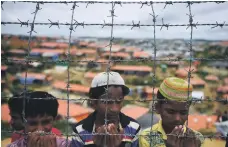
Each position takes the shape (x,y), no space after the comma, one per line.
(174,100)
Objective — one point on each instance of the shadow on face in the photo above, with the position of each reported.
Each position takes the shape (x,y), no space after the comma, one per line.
(173,113)
(113,107)
(39,123)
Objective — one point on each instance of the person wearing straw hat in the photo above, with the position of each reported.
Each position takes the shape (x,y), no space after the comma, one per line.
(40,110)
(107,102)
(174,99)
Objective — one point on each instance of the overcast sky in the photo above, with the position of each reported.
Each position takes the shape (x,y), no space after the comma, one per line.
(97,13)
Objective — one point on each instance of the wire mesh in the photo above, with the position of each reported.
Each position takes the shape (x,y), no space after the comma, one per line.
(73,24)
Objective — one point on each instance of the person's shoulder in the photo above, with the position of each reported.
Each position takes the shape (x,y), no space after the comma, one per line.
(198,135)
(63,142)
(17,143)
(147,131)
(130,122)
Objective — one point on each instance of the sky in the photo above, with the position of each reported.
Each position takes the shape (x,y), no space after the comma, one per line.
(97,13)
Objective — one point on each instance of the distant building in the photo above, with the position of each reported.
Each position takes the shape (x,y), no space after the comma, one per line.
(222,90)
(148,91)
(17,53)
(219,64)
(74,88)
(88,76)
(116,56)
(33,78)
(212,78)
(197,122)
(141,55)
(197,83)
(53,45)
(76,112)
(132,70)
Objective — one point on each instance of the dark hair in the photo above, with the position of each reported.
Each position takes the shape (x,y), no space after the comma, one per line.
(160,97)
(47,104)
(96,92)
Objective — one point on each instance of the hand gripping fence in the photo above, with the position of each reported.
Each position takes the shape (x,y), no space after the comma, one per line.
(74,24)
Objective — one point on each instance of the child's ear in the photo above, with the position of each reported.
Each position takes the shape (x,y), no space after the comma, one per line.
(93,103)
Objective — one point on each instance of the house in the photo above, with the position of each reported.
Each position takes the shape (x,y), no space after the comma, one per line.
(83,44)
(48,54)
(88,52)
(134,111)
(183,72)
(76,111)
(88,63)
(102,64)
(52,45)
(219,64)
(115,48)
(75,88)
(17,53)
(88,76)
(130,49)
(174,64)
(141,55)
(83,52)
(197,83)
(197,122)
(222,90)
(148,92)
(212,78)
(3,71)
(116,56)
(132,70)
(32,78)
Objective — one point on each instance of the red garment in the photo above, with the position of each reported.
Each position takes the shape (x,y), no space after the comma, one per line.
(16,136)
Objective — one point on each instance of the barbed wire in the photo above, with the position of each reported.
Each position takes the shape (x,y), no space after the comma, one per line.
(122,2)
(170,60)
(74,24)
(193,101)
(126,134)
(133,25)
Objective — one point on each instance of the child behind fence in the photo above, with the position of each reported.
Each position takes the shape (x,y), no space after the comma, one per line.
(174,99)
(122,130)
(40,110)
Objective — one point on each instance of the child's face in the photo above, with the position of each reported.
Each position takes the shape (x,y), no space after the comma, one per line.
(39,123)
(113,107)
(173,113)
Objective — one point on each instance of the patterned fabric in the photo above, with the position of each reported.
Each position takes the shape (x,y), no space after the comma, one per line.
(156,136)
(176,89)
(16,136)
(61,142)
(84,132)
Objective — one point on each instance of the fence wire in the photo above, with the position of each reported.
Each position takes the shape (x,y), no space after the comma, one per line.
(73,26)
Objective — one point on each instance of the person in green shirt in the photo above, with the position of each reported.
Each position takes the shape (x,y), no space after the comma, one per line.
(174,100)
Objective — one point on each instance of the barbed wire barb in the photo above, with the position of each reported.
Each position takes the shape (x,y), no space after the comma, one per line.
(164,25)
(168,3)
(78,24)
(135,25)
(219,25)
(23,23)
(54,23)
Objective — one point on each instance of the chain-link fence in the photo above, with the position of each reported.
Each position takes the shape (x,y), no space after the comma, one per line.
(73,24)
